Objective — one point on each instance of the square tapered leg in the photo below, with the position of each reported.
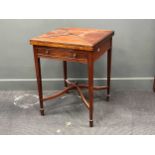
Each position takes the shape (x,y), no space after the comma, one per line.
(90,88)
(109,55)
(39,80)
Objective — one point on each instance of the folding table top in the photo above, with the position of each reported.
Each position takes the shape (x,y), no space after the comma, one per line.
(73,38)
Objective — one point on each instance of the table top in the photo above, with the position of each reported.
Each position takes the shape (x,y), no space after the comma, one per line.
(72,38)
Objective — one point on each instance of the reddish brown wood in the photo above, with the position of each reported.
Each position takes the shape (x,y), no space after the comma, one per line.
(59,93)
(82,97)
(65,90)
(63,54)
(109,57)
(95,87)
(80,93)
(74,45)
(65,72)
(84,39)
(90,88)
(39,81)
(101,49)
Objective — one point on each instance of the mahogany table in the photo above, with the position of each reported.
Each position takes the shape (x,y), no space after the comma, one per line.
(82,45)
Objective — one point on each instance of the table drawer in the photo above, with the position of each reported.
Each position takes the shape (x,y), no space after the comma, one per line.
(63,54)
(101,49)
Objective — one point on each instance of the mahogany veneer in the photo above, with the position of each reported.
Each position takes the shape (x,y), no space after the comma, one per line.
(83,45)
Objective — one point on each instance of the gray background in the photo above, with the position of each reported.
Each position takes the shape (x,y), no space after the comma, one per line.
(133,53)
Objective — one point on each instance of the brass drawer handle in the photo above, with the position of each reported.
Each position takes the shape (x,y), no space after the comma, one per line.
(74,55)
(46,52)
(98,50)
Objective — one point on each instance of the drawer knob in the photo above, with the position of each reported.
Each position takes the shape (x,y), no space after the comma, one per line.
(98,50)
(47,52)
(74,55)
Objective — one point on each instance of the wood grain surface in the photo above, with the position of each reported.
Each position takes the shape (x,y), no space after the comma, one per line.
(72,38)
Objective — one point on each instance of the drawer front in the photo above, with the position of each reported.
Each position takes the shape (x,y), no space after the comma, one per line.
(102,48)
(63,54)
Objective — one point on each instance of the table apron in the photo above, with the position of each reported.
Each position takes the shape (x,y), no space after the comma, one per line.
(73,55)
(63,54)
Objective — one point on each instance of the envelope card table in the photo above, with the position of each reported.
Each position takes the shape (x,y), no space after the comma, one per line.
(81,45)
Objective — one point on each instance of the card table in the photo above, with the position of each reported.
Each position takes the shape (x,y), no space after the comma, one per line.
(81,45)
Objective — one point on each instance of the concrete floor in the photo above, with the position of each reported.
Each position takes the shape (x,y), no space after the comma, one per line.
(127,113)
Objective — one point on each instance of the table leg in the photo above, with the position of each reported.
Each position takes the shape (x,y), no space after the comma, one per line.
(65,72)
(109,55)
(154,85)
(90,88)
(39,80)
